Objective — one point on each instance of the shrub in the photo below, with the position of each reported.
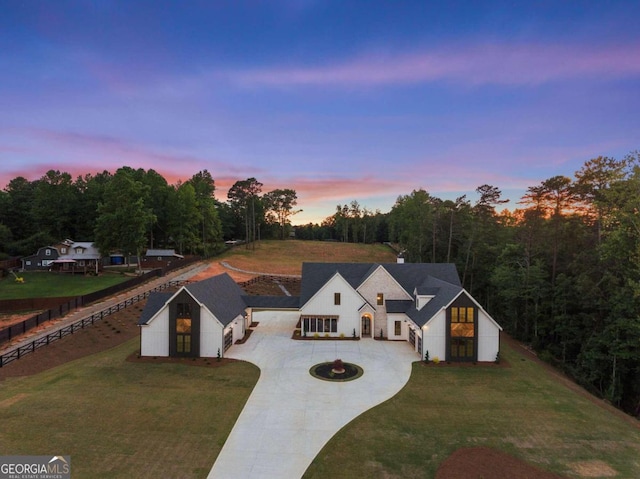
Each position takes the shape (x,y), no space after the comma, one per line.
(354,333)
(341,335)
(426,356)
(436,360)
(316,335)
(498,357)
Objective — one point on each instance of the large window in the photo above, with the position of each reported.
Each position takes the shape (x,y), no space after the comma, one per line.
(462,333)
(380,299)
(320,324)
(183,335)
(462,322)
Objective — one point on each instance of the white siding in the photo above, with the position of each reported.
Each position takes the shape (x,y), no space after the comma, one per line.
(322,304)
(211,337)
(488,338)
(404,327)
(155,335)
(435,336)
(239,328)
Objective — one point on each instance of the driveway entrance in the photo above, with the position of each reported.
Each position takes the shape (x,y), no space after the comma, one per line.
(290,415)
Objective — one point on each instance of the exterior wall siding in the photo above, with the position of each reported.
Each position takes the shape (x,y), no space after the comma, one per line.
(488,338)
(404,327)
(211,337)
(322,304)
(435,337)
(155,335)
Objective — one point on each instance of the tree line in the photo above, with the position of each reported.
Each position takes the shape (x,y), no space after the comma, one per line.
(559,271)
(135,209)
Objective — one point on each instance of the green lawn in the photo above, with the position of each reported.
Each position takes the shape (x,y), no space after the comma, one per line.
(120,419)
(521,410)
(49,285)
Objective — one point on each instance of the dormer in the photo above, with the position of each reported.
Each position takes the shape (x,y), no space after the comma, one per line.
(423,296)
(422,300)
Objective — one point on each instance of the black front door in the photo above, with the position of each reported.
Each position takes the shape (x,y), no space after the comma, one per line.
(366,326)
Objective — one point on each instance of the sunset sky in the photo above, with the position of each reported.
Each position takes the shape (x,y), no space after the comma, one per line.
(339,100)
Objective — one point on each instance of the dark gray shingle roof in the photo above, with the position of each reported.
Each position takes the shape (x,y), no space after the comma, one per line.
(221,295)
(155,302)
(272,302)
(408,275)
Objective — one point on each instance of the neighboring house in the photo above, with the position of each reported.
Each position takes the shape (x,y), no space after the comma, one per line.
(423,304)
(66,256)
(157,258)
(41,261)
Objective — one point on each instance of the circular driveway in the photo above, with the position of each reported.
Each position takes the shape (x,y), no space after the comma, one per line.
(290,415)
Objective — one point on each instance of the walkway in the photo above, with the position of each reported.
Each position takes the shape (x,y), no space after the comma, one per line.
(290,415)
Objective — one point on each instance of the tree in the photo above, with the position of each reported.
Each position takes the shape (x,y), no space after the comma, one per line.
(123,218)
(243,196)
(185,218)
(204,187)
(280,203)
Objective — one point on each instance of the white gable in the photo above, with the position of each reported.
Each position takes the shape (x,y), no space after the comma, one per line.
(323,302)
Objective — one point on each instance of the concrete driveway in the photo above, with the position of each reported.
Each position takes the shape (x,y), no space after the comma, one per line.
(290,415)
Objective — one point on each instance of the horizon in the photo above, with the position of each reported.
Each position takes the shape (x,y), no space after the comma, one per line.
(363,101)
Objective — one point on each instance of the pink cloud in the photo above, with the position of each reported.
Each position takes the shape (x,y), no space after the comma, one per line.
(486,63)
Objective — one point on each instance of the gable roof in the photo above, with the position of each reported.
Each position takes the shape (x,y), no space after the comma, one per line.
(408,275)
(155,302)
(220,295)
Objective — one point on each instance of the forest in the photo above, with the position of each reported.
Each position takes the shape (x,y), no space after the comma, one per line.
(559,271)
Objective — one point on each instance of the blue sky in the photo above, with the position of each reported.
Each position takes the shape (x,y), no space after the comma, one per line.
(340,100)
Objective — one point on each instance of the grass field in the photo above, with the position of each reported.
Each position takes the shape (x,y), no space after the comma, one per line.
(49,285)
(286,257)
(522,410)
(120,419)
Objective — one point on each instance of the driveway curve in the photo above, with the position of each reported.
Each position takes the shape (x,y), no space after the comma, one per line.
(290,415)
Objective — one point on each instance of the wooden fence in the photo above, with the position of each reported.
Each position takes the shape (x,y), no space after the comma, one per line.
(65,305)
(20,351)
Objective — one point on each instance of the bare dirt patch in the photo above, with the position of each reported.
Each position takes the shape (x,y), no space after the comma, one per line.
(484,462)
(104,334)
(593,469)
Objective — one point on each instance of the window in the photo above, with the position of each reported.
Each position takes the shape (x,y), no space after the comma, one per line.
(183,335)
(47,252)
(462,334)
(63,250)
(380,299)
(320,325)
(79,250)
(398,328)
(184,310)
(336,299)
(462,322)
(28,263)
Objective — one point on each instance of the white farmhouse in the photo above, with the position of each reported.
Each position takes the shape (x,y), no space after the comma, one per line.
(423,304)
